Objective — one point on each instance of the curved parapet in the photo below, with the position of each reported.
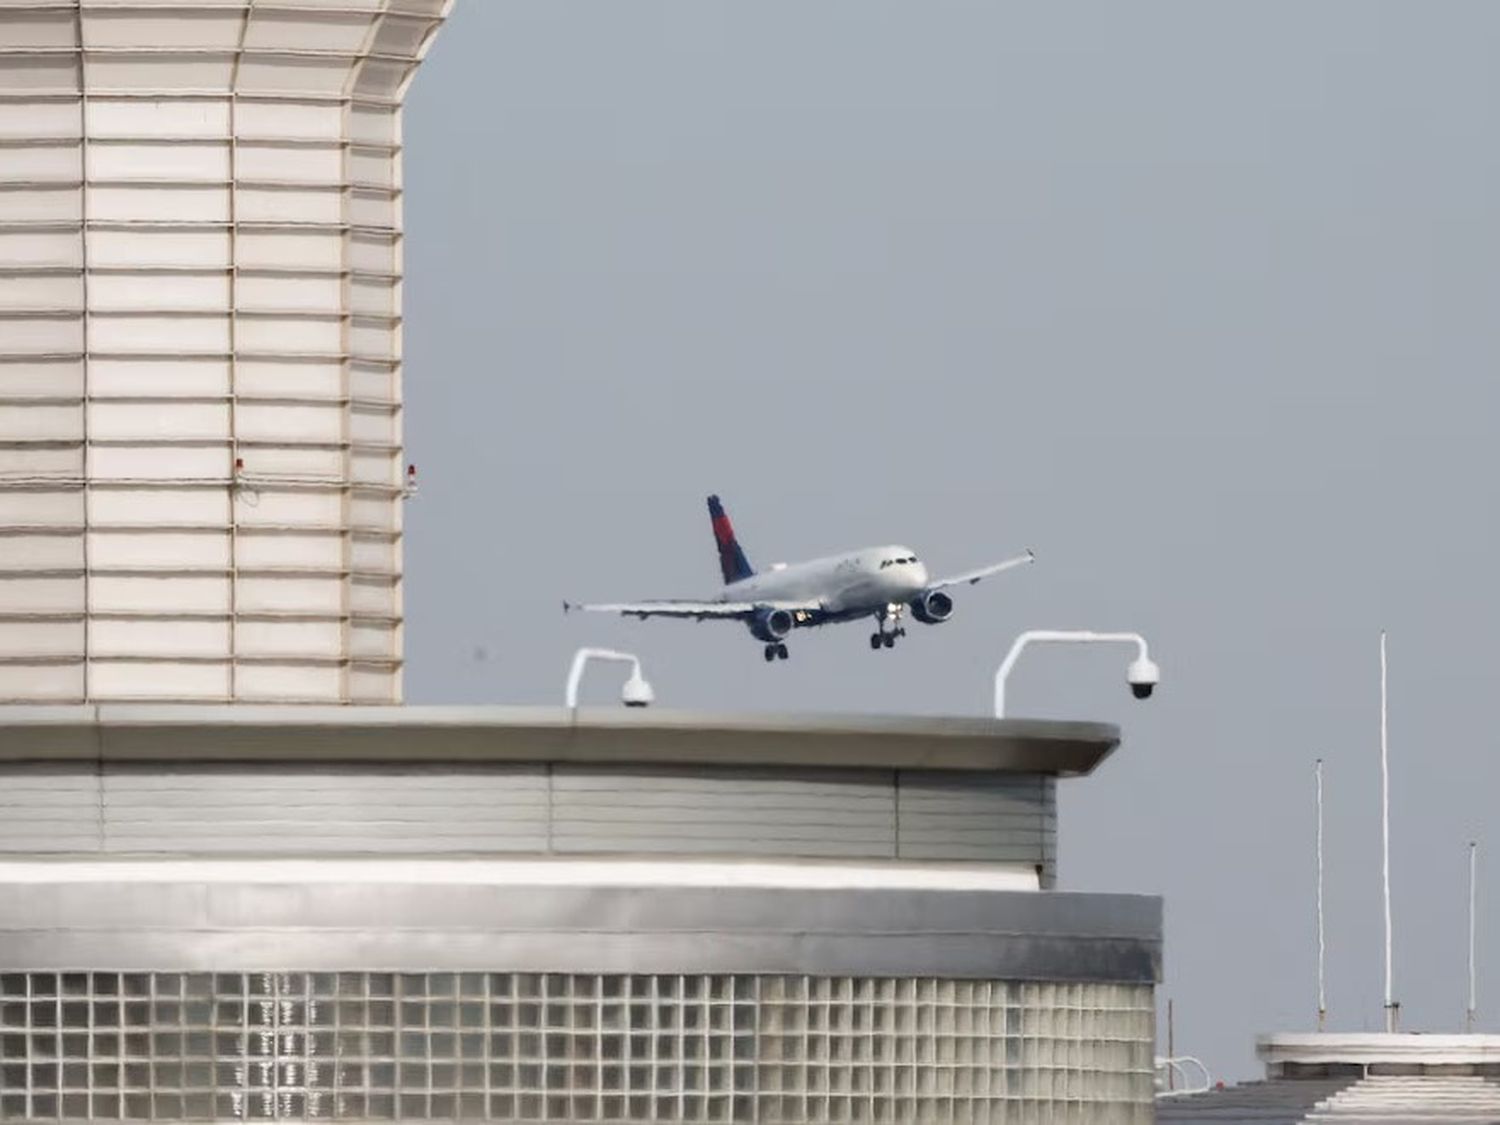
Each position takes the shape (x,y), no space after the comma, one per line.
(200,348)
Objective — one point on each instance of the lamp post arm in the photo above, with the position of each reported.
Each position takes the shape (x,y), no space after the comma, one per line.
(580,661)
(1058,636)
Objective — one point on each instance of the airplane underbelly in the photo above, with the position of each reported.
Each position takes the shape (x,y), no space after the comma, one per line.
(861,594)
(873,592)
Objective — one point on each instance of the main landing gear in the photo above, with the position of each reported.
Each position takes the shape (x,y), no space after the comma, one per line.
(883,637)
(775,652)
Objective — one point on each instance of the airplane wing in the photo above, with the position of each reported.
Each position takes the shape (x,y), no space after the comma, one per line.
(697,611)
(970,577)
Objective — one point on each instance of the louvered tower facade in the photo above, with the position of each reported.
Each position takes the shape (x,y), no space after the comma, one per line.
(201,475)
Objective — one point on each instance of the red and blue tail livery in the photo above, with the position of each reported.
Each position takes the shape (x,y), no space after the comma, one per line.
(880,583)
(732,561)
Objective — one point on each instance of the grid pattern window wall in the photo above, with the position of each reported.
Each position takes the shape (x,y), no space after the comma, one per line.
(527,1047)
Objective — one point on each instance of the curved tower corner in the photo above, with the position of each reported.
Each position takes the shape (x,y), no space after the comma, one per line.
(200,348)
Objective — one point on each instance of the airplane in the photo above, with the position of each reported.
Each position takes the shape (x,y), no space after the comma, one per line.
(878,582)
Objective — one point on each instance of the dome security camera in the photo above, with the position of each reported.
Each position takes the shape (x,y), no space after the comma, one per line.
(1143,675)
(637,692)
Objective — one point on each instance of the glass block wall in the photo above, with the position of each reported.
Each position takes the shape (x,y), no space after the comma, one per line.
(578,1048)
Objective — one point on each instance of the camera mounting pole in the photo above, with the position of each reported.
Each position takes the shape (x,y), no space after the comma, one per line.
(637,691)
(1143,675)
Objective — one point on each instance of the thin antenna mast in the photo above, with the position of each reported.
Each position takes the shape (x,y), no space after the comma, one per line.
(1171,1045)
(1473,870)
(1322,995)
(1391,1007)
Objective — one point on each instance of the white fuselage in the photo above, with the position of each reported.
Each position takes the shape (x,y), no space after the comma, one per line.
(868,580)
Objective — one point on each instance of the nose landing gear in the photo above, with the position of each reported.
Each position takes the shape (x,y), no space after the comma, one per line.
(776,652)
(883,637)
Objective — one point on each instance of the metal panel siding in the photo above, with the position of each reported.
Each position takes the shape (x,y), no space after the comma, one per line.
(1000,818)
(416,925)
(61,809)
(849,813)
(325,810)
(49,808)
(444,808)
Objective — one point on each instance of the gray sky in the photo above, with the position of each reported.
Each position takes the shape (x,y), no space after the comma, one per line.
(1198,300)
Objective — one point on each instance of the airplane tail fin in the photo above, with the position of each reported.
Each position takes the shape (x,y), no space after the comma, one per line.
(732,560)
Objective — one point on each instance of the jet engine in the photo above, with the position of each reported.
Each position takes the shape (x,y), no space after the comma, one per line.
(932,608)
(771,625)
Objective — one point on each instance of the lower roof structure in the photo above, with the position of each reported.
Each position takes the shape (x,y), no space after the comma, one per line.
(1375,1100)
(1356,1079)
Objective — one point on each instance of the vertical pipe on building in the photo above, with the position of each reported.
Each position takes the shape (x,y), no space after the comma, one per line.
(346,353)
(85,460)
(1322,993)
(233,498)
(1391,1007)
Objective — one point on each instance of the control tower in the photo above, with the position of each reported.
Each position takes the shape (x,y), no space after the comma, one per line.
(201,471)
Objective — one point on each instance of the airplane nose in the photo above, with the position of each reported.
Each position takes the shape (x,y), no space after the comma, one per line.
(920,576)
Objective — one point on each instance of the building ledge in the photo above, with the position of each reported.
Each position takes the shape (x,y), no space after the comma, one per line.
(249,733)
